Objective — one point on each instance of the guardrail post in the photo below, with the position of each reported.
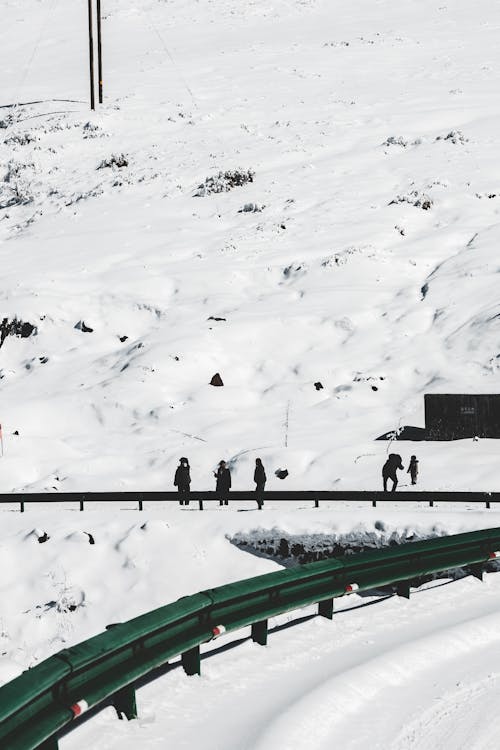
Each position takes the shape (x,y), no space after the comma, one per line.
(125,703)
(325,609)
(488,504)
(200,504)
(374,503)
(431,503)
(50,744)
(259,632)
(140,501)
(316,503)
(82,500)
(22,506)
(403,589)
(477,571)
(191,661)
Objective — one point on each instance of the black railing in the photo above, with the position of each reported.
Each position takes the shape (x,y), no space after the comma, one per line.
(313,496)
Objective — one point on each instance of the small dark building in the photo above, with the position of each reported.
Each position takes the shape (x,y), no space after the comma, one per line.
(452,416)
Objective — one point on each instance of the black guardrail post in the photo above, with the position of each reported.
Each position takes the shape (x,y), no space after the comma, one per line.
(259,632)
(316,503)
(124,702)
(325,608)
(191,661)
(200,503)
(477,571)
(141,497)
(403,589)
(82,501)
(21,504)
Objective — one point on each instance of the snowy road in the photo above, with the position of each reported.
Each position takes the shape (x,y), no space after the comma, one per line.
(385,673)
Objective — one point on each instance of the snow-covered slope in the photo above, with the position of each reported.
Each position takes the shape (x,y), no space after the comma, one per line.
(368,264)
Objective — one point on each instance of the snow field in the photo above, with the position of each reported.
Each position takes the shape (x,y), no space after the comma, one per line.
(370,132)
(370,266)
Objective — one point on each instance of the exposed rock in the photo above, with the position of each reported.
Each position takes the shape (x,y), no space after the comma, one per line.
(281,473)
(80,326)
(216,380)
(318,386)
(16,327)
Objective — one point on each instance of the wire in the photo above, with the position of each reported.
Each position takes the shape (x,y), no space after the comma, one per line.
(27,67)
(169,54)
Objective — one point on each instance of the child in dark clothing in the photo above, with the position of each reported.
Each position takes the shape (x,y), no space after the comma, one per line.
(413,469)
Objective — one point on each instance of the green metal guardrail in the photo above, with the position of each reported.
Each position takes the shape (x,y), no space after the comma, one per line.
(43,700)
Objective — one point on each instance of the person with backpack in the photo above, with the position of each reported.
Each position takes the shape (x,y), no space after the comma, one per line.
(389,470)
(413,469)
(223,483)
(259,477)
(182,481)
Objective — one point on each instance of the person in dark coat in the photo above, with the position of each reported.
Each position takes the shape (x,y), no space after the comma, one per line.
(259,477)
(413,469)
(389,470)
(182,481)
(223,484)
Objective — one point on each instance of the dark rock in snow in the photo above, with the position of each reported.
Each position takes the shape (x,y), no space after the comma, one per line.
(281,473)
(80,326)
(123,338)
(318,386)
(216,319)
(16,327)
(216,380)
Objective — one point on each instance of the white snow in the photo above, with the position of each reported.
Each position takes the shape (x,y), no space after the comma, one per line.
(368,263)
(339,111)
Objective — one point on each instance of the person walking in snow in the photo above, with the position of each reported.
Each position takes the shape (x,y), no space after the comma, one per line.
(223,484)
(413,469)
(182,481)
(259,477)
(389,470)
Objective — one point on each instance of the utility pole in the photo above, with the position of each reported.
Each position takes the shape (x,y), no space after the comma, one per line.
(91,56)
(91,52)
(99,50)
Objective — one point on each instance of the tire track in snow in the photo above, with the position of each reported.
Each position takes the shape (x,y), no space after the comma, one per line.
(364,706)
